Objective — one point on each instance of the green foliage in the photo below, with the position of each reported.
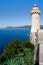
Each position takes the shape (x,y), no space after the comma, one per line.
(18,53)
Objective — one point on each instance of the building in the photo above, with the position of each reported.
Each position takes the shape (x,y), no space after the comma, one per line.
(35,13)
(36,35)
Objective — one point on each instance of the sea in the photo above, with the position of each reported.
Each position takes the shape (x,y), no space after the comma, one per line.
(8,35)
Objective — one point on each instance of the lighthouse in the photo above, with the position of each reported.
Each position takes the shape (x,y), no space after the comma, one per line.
(35,14)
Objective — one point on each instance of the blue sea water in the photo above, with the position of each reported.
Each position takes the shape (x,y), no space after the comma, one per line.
(6,36)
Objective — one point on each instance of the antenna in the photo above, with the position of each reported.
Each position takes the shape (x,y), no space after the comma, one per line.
(35,3)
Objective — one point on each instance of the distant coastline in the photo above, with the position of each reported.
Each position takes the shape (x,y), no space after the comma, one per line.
(21,27)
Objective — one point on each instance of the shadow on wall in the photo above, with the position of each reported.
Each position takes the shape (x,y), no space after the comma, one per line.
(37,56)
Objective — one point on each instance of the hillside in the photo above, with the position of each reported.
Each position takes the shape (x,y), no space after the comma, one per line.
(22,27)
(18,53)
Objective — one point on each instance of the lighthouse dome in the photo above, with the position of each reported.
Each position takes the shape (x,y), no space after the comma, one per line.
(35,10)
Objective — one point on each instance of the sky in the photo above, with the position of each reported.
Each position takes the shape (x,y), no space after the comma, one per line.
(17,12)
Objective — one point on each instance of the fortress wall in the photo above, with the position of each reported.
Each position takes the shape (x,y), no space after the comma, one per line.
(41,54)
(40,36)
(40,40)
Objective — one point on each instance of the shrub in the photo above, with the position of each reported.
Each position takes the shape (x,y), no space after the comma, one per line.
(18,51)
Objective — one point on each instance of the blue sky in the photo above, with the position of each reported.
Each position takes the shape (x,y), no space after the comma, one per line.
(17,12)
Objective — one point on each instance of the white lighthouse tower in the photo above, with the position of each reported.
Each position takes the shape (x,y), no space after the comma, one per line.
(35,13)
(35,19)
